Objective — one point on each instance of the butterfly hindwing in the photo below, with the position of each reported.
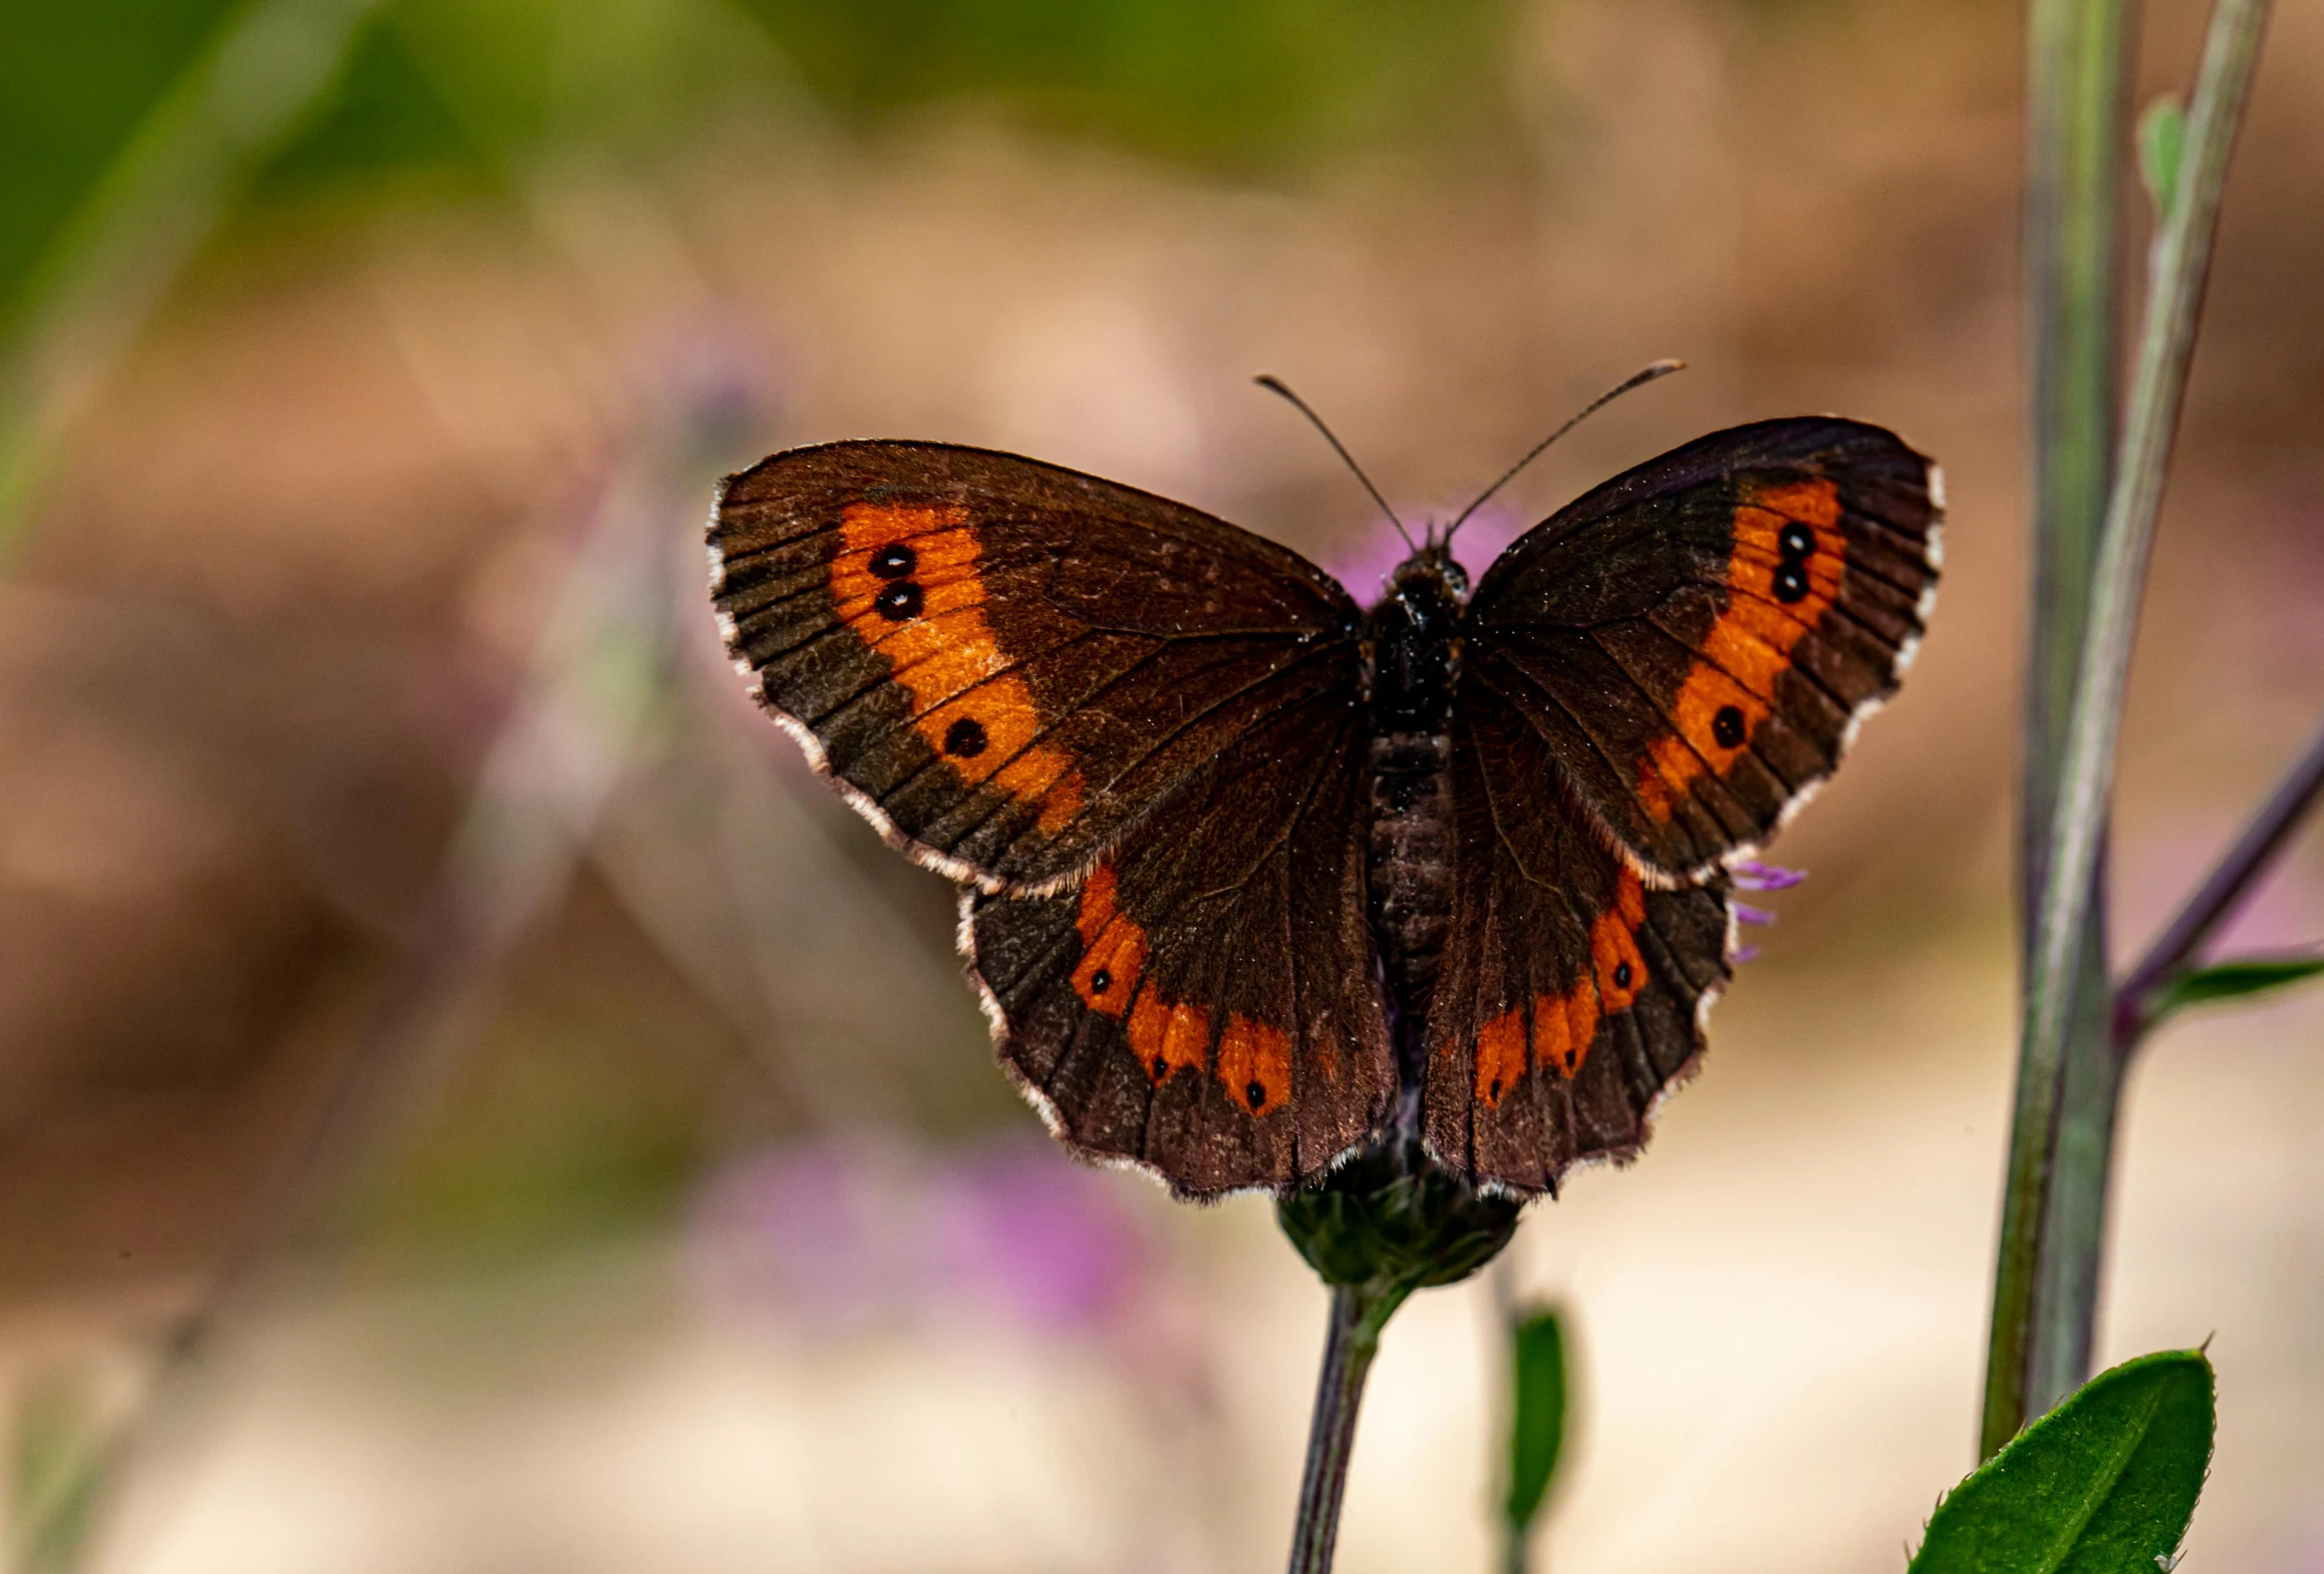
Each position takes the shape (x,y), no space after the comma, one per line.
(1697,640)
(1205,1005)
(1571,996)
(1003,663)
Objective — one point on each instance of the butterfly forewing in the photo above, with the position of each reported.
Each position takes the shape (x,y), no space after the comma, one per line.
(1133,730)
(1697,640)
(1003,663)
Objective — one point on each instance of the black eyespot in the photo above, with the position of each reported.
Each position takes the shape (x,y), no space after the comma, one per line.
(1492,1093)
(1100,981)
(1797,541)
(1255,1095)
(894,560)
(1726,728)
(1790,583)
(965,738)
(1161,1068)
(1622,975)
(902,600)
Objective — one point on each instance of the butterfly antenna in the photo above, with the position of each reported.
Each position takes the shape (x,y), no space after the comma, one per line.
(1276,385)
(1636,379)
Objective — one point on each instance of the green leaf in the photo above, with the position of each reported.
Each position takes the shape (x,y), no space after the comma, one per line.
(2251,975)
(1537,1426)
(2104,1484)
(2162,145)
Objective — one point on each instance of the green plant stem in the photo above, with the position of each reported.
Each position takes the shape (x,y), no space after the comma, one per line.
(2181,259)
(2077,119)
(1352,1338)
(2070,1260)
(2217,899)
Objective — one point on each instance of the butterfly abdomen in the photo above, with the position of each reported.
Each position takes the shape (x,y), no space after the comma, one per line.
(1411,878)
(1415,660)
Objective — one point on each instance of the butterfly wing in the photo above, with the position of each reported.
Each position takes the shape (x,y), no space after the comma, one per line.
(1697,640)
(1005,664)
(1571,996)
(1206,1006)
(1131,728)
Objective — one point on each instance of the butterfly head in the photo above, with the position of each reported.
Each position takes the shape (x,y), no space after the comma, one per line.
(1415,640)
(1430,575)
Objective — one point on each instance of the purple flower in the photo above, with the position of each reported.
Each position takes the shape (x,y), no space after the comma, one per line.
(1752,875)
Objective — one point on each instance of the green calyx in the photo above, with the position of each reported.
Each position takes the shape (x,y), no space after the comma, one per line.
(1391,1221)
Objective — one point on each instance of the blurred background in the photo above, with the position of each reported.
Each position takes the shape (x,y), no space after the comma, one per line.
(471,1101)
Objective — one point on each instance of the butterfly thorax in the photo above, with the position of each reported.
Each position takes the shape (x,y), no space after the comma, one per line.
(1413,642)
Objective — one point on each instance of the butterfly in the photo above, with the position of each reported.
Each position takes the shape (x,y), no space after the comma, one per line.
(1250,870)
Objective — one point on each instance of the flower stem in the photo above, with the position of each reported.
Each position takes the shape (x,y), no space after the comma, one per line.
(2076,73)
(2018,1384)
(1352,1338)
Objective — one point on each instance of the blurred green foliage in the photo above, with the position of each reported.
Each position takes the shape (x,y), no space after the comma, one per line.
(56,1468)
(132,132)
(76,83)
(386,119)
(467,86)
(1243,83)
(1536,1421)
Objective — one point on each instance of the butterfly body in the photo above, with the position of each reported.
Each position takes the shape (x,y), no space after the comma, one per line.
(1413,664)
(1247,868)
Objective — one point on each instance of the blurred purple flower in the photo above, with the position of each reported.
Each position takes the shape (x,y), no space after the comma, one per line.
(1031,1234)
(815,1233)
(845,1236)
(1363,567)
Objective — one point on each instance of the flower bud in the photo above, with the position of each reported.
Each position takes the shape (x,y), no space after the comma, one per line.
(1391,1220)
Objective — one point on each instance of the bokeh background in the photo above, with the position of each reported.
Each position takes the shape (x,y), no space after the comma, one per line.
(469,1100)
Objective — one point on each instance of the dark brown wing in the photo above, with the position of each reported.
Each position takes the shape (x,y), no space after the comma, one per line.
(1697,640)
(1005,664)
(1206,1006)
(1571,996)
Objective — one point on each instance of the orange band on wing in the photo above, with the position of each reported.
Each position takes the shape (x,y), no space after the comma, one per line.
(1166,1036)
(1774,597)
(1255,1065)
(1255,1059)
(905,581)
(1113,948)
(1565,1024)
